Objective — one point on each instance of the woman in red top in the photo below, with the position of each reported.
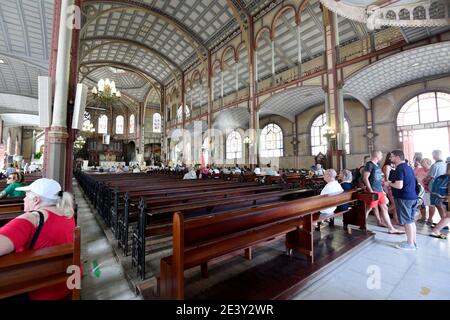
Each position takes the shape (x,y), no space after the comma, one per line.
(45,196)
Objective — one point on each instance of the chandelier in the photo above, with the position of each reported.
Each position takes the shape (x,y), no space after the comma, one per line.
(106,91)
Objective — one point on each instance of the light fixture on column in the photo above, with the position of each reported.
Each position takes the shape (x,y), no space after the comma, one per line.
(247,140)
(329,133)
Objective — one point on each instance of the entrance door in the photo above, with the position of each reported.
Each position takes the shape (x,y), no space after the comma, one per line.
(427,140)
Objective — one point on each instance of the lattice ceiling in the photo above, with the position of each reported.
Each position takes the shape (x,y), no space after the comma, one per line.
(398,69)
(25,36)
(292,102)
(231,119)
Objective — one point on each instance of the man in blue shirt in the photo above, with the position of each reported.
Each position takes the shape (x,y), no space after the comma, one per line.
(403,184)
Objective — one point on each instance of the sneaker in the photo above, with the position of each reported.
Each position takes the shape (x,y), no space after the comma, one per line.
(406,246)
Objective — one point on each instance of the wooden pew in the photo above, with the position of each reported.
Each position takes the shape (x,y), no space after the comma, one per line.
(200,240)
(36,269)
(155,221)
(122,214)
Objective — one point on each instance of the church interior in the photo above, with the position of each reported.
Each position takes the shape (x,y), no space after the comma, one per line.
(224,149)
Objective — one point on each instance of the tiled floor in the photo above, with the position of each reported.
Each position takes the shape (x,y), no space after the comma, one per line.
(380,271)
(103,276)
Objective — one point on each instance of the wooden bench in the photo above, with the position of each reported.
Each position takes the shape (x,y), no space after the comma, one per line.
(200,240)
(36,269)
(155,221)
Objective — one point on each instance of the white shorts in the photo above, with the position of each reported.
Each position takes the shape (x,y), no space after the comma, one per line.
(426,199)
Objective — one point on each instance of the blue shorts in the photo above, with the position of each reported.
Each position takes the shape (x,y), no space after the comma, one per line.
(406,210)
(437,201)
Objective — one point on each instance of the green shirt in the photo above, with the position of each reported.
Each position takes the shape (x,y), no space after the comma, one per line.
(11,192)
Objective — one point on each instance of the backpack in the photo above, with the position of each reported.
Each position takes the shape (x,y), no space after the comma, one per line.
(439,188)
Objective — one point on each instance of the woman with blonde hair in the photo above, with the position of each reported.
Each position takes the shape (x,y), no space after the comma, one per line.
(48,221)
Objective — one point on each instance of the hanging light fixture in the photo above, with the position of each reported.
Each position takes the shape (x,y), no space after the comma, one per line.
(106,91)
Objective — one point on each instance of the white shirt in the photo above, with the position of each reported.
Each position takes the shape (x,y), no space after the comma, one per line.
(257,170)
(190,175)
(332,187)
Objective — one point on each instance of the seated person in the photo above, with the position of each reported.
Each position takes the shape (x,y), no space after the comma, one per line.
(346,179)
(47,206)
(13,182)
(237,170)
(332,187)
(191,175)
(319,172)
(226,170)
(269,171)
(257,170)
(136,169)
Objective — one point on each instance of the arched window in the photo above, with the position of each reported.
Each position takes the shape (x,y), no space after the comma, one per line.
(319,142)
(180,113)
(427,107)
(156,122)
(234,145)
(132,123)
(119,124)
(271,141)
(103,124)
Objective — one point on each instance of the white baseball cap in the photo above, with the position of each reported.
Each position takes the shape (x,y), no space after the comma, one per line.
(47,188)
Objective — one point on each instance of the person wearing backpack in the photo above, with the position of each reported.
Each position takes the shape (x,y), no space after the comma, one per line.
(436,170)
(440,194)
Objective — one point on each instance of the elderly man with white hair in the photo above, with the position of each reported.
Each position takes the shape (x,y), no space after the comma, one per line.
(437,169)
(332,187)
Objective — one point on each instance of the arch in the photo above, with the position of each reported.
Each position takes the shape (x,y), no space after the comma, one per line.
(120,122)
(102,124)
(233,146)
(224,52)
(437,10)
(414,111)
(214,66)
(281,11)
(157,122)
(238,50)
(302,8)
(391,15)
(404,15)
(259,34)
(195,75)
(419,13)
(132,124)
(271,141)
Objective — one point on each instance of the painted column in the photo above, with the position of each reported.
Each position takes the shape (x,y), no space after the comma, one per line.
(210,104)
(183,102)
(252,105)
(163,111)
(58,134)
(334,109)
(299,49)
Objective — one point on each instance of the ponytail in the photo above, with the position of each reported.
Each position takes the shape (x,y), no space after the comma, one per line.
(66,204)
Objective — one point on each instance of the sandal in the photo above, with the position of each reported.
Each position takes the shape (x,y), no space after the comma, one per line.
(396,232)
(439,236)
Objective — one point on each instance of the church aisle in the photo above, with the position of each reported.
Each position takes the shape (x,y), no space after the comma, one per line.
(103,276)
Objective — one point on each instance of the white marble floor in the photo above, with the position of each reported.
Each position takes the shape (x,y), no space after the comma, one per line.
(103,276)
(381,271)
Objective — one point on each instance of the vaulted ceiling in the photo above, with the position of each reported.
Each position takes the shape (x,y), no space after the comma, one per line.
(144,44)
